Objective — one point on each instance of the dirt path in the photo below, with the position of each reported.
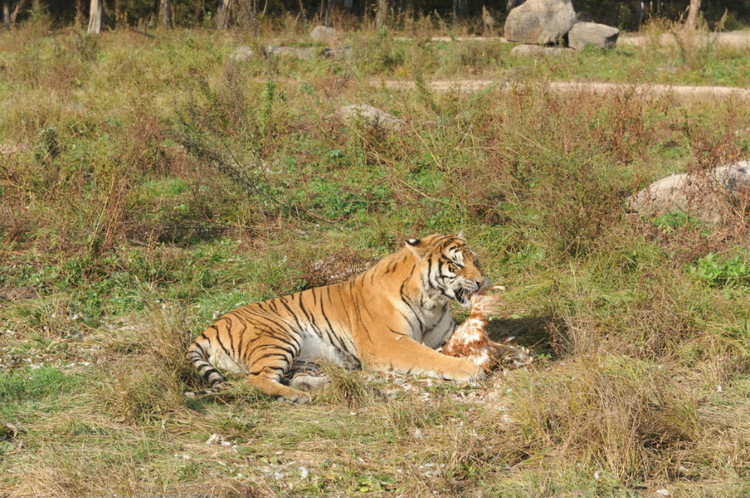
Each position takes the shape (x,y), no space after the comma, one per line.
(564,87)
(735,39)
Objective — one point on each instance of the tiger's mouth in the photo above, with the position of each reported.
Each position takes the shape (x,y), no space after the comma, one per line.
(463,297)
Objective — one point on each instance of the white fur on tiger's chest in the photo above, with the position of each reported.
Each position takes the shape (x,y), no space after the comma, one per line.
(431,327)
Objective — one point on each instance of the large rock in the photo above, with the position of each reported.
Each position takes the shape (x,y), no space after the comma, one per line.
(708,195)
(372,116)
(591,33)
(536,50)
(540,21)
(324,34)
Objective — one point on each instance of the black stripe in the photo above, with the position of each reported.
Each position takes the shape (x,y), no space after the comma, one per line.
(267,367)
(231,336)
(269,317)
(331,331)
(218,339)
(325,317)
(304,311)
(271,355)
(199,346)
(409,303)
(290,350)
(299,325)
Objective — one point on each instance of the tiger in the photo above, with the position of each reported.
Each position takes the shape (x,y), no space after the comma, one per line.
(392,317)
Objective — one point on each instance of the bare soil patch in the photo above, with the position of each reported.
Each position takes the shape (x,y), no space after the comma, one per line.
(682,92)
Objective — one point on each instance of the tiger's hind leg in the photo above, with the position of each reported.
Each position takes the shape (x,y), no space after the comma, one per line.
(269,366)
(267,380)
(307,375)
(199,353)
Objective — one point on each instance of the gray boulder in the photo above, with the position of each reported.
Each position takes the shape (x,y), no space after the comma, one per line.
(324,34)
(540,21)
(242,53)
(371,116)
(591,33)
(308,53)
(299,52)
(707,195)
(539,51)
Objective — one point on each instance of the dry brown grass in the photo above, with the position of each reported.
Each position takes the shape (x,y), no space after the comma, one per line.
(632,343)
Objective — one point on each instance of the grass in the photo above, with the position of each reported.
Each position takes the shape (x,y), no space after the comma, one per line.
(150,183)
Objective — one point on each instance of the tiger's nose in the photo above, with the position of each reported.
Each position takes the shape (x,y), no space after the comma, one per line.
(481,283)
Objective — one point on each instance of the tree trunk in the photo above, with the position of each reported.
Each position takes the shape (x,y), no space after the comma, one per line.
(165,14)
(692,18)
(382,15)
(118,14)
(224,16)
(459,9)
(640,11)
(6,14)
(95,16)
(79,13)
(328,13)
(19,6)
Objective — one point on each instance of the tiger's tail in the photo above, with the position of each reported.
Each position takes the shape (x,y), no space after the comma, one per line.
(198,354)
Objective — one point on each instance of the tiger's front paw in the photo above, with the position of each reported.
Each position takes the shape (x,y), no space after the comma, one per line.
(466,371)
(297,398)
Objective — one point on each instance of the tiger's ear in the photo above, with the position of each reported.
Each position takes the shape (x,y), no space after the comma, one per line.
(417,246)
(460,234)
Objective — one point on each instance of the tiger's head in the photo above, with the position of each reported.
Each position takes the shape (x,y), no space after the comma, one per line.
(449,266)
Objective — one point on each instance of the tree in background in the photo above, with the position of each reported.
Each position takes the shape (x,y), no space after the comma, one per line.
(459,9)
(224,15)
(326,11)
(78,19)
(10,15)
(382,15)
(165,14)
(624,14)
(692,17)
(95,16)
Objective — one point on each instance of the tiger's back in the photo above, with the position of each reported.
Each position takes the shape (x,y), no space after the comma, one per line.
(390,317)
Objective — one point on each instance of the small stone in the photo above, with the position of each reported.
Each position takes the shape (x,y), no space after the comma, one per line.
(538,50)
(371,116)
